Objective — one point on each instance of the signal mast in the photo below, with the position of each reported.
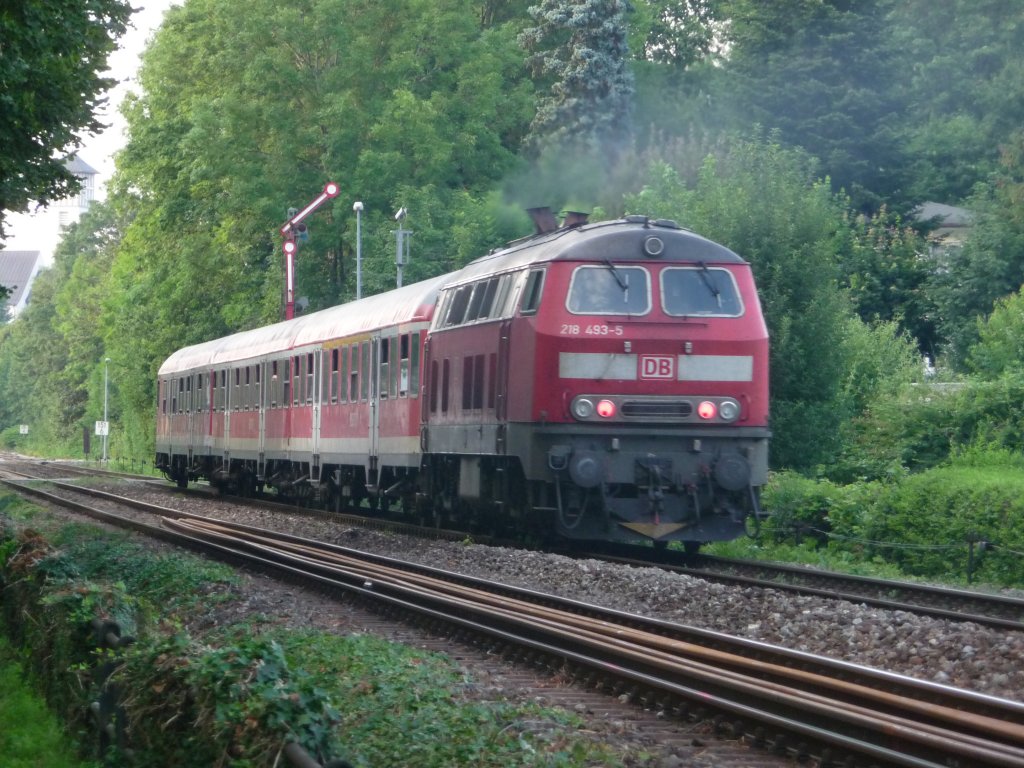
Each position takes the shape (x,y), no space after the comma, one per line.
(289,231)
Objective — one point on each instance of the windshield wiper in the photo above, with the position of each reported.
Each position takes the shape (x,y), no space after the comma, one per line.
(623,282)
(704,276)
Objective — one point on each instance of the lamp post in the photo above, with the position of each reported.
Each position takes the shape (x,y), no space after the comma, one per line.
(357,206)
(106,424)
(401,243)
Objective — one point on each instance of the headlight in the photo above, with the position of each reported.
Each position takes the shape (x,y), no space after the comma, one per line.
(583,408)
(729,410)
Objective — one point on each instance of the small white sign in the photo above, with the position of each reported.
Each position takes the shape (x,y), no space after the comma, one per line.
(102,428)
(23,429)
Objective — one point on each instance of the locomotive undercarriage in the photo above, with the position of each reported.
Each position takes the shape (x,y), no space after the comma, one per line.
(656,486)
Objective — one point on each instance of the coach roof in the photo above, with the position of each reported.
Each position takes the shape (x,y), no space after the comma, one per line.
(410,303)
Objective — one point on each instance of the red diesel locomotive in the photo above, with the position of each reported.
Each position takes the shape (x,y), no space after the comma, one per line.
(603,381)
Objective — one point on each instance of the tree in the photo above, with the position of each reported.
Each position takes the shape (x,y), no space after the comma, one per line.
(825,74)
(967,282)
(579,51)
(964,85)
(51,54)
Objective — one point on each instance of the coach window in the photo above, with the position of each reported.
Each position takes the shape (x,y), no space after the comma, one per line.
(396,365)
(310,380)
(687,291)
(385,367)
(364,366)
(343,375)
(296,363)
(414,375)
(609,290)
(224,389)
(256,386)
(286,384)
(353,377)
(335,368)
(403,374)
(532,292)
(174,397)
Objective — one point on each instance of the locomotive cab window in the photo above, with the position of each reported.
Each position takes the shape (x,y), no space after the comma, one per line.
(532,293)
(609,289)
(688,291)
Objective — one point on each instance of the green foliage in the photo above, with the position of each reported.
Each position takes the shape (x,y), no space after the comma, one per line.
(1000,347)
(30,735)
(235,696)
(578,51)
(925,523)
(969,281)
(887,278)
(53,54)
(822,74)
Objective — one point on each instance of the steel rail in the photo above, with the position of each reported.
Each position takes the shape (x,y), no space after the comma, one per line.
(653,653)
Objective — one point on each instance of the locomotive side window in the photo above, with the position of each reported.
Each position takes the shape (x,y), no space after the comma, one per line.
(457,305)
(433,386)
(445,381)
(532,293)
(687,291)
(609,290)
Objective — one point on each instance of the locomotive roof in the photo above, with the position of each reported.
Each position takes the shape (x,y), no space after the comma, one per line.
(407,304)
(607,240)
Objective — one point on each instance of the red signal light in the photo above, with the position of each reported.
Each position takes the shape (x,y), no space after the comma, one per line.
(606,409)
(707,410)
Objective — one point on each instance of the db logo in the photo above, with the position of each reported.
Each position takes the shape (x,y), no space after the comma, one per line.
(657,367)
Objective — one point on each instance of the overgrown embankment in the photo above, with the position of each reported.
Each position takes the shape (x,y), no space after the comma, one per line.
(102,621)
(959,522)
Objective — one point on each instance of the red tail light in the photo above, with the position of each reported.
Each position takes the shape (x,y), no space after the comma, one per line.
(605,409)
(706,410)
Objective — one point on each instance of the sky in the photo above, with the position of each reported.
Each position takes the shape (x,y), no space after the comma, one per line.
(98,150)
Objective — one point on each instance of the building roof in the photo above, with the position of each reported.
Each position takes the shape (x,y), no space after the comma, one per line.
(79,167)
(17,268)
(944,215)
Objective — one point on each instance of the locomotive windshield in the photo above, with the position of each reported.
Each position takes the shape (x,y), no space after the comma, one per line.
(687,291)
(609,290)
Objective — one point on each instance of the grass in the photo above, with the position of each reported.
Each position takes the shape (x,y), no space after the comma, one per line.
(30,736)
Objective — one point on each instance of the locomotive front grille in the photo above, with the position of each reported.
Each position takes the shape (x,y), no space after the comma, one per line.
(657,408)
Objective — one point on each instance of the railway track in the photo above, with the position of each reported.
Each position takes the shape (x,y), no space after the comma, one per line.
(794,703)
(985,609)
